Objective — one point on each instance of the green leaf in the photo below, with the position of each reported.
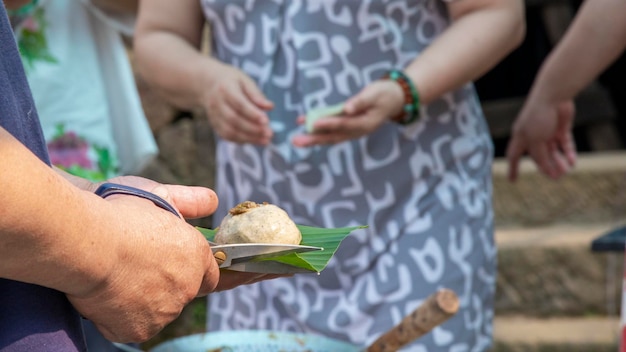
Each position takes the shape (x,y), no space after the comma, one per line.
(316,114)
(315,261)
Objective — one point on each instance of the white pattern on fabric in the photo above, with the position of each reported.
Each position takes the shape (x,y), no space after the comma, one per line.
(424,189)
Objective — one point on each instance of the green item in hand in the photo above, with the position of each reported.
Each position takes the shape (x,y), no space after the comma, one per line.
(315,261)
(316,114)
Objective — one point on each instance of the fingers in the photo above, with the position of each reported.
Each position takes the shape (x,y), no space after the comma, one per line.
(255,95)
(337,129)
(211,278)
(551,158)
(236,126)
(566,112)
(514,152)
(237,112)
(191,201)
(230,279)
(332,130)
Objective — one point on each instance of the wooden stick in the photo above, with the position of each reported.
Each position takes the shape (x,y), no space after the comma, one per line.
(437,308)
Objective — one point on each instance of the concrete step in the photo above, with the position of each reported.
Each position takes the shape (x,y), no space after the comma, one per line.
(544,230)
(595,191)
(521,333)
(554,294)
(551,271)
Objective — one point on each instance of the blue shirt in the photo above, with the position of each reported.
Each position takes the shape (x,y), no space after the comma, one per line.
(32,318)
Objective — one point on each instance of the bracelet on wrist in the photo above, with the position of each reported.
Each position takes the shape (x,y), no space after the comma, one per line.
(410,109)
(24,9)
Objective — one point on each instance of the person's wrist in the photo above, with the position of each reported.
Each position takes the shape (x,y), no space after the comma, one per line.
(411,104)
(206,73)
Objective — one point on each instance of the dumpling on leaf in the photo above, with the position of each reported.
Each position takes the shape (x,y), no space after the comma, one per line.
(250,222)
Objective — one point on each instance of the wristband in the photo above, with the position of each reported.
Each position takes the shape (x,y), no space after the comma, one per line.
(411,108)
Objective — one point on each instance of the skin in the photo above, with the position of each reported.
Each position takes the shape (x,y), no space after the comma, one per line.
(120,6)
(15,4)
(107,255)
(169,33)
(543,128)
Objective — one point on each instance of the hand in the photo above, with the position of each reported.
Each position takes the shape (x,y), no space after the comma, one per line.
(363,114)
(236,107)
(190,201)
(161,262)
(182,199)
(230,279)
(544,131)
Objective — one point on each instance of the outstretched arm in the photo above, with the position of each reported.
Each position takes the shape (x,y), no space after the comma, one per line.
(125,264)
(542,129)
(464,52)
(167,48)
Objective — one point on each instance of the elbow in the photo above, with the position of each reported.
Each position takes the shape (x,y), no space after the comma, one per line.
(517,26)
(518,32)
(140,55)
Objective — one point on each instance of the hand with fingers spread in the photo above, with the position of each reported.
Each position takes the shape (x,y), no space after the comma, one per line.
(236,108)
(544,131)
(362,114)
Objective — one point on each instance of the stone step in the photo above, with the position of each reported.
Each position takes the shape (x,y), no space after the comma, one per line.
(521,333)
(544,230)
(551,271)
(595,191)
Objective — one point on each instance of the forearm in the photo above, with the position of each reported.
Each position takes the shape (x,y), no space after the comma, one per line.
(469,48)
(159,57)
(595,38)
(79,182)
(167,49)
(50,236)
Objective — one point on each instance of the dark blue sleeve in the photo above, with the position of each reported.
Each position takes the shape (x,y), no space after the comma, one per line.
(18,114)
(32,318)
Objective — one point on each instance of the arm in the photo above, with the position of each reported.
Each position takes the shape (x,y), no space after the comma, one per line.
(168,34)
(106,255)
(41,227)
(167,49)
(543,127)
(595,39)
(464,52)
(470,47)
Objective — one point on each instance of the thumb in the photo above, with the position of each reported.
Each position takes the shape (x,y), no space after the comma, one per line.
(359,102)
(566,113)
(191,201)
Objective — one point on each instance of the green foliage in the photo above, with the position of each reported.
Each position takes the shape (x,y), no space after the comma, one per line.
(32,42)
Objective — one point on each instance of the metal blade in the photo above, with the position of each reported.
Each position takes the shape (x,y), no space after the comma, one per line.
(269,267)
(244,252)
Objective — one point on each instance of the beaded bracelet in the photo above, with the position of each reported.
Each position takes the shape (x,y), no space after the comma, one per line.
(24,10)
(411,109)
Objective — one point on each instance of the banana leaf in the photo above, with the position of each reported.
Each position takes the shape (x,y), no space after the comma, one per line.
(315,261)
